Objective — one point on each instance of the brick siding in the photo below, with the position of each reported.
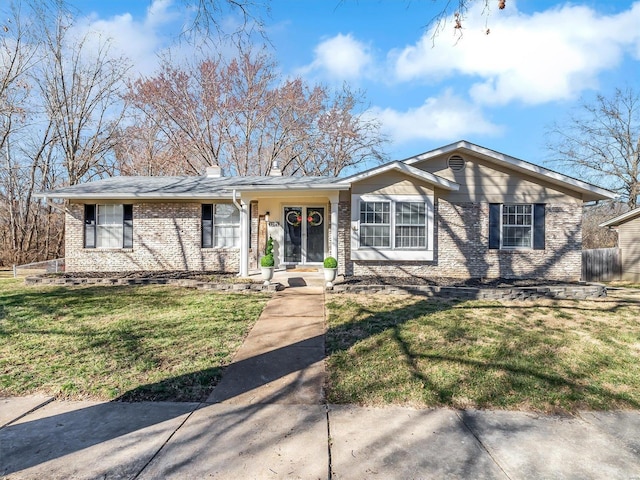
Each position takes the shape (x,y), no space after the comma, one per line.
(461,247)
(166,236)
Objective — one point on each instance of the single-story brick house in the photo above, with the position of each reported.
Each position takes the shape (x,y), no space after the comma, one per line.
(628,227)
(458,211)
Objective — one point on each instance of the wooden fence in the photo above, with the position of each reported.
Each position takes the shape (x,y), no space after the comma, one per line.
(601,264)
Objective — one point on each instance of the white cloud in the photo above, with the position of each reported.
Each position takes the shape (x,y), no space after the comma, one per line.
(140,41)
(341,58)
(537,58)
(443,118)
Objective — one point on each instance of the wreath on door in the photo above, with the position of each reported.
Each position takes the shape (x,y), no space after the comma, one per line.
(294,218)
(314,218)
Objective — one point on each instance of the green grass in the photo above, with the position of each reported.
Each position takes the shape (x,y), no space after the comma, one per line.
(544,355)
(129,342)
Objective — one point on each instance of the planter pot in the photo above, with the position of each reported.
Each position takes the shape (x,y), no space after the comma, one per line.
(267,274)
(330,276)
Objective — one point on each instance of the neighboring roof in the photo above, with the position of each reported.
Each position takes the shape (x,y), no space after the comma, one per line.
(624,218)
(187,187)
(404,168)
(589,191)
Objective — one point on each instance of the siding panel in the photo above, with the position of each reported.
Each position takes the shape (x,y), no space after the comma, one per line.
(629,242)
(482,181)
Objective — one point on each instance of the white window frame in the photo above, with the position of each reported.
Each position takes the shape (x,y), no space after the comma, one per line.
(503,225)
(112,230)
(219,226)
(392,253)
(388,225)
(409,225)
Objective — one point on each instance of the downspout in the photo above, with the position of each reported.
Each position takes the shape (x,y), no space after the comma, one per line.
(244,246)
(49,203)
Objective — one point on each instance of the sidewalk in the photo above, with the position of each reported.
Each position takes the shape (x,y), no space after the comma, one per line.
(266,419)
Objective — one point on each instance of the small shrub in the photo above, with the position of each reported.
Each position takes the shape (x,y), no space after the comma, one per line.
(330,262)
(269,249)
(267,261)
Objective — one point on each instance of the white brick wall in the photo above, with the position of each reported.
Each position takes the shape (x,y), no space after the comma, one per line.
(166,236)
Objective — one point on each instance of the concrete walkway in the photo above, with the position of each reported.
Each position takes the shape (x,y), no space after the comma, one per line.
(266,419)
(282,359)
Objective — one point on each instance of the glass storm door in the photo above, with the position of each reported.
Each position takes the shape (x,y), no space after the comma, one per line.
(304,234)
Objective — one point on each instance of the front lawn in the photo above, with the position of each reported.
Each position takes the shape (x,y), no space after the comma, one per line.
(129,342)
(544,355)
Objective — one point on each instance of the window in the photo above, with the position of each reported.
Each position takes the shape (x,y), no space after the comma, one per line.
(517,226)
(220,225)
(375,224)
(409,225)
(108,226)
(392,227)
(517,222)
(411,222)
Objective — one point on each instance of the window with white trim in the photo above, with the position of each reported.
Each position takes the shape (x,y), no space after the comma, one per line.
(375,224)
(517,226)
(392,227)
(220,226)
(108,226)
(411,225)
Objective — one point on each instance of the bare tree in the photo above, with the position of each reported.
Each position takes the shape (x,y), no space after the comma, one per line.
(241,116)
(211,18)
(80,85)
(143,149)
(59,108)
(594,236)
(601,143)
(346,136)
(258,126)
(458,9)
(23,221)
(185,107)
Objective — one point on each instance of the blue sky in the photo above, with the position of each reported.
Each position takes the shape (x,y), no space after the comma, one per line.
(501,90)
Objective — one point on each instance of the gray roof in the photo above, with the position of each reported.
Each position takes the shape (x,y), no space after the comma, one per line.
(588,190)
(624,218)
(187,187)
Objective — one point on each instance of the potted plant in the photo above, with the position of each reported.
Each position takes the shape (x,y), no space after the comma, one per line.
(330,270)
(267,262)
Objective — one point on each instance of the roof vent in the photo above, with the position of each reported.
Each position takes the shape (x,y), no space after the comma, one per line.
(214,171)
(456,163)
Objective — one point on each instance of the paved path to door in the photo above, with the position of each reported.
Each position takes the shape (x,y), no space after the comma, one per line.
(282,359)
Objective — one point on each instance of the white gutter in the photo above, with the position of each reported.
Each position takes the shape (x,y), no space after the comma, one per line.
(235,200)
(49,203)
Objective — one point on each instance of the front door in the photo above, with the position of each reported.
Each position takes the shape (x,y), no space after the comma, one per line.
(304,235)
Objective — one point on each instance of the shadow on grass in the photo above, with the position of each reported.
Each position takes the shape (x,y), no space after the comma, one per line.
(190,387)
(519,367)
(146,426)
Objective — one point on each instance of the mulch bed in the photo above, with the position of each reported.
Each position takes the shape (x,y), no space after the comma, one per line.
(220,277)
(225,277)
